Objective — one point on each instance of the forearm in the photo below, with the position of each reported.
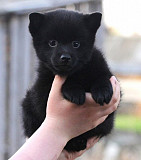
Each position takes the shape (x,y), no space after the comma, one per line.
(44,144)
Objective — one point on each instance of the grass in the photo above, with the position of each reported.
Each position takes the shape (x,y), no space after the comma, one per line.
(128,123)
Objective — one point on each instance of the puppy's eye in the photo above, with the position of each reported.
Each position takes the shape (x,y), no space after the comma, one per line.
(76,44)
(53,43)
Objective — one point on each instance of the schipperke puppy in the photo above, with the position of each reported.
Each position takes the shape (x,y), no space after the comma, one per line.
(64,43)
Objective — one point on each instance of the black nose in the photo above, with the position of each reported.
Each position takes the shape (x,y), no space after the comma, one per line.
(65,58)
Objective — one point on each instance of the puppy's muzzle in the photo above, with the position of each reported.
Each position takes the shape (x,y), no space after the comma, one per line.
(65,59)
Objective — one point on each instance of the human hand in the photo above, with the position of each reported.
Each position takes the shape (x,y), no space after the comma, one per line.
(69,120)
(73,155)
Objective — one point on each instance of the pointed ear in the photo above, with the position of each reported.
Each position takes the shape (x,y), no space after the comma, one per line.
(93,21)
(36,20)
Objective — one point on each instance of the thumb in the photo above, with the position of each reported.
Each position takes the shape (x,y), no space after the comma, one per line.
(57,85)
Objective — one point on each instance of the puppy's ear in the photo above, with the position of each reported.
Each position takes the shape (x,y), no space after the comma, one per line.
(93,21)
(36,21)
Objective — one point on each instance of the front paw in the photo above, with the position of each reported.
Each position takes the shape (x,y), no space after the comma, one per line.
(74,93)
(102,92)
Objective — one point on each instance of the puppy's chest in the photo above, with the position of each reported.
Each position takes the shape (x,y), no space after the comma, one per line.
(84,79)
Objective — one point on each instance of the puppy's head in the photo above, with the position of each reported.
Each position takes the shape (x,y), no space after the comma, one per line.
(63,39)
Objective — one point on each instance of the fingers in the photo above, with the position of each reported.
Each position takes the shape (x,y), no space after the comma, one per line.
(116,92)
(56,86)
(91,142)
(101,120)
(57,83)
(106,109)
(90,101)
(112,106)
(73,155)
(113,82)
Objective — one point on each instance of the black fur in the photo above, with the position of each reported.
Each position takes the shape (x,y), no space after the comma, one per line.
(85,68)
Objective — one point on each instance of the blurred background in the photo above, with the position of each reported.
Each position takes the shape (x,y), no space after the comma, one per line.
(119,37)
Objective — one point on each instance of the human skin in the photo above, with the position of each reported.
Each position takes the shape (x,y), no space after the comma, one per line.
(64,121)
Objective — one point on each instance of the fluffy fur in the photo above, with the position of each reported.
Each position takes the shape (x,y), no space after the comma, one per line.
(72,54)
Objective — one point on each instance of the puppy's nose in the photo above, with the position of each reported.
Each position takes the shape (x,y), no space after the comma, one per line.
(65,58)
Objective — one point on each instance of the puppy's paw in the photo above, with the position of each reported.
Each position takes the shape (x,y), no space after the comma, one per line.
(74,94)
(102,92)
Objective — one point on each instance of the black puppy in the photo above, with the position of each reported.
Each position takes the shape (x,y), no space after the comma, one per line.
(64,43)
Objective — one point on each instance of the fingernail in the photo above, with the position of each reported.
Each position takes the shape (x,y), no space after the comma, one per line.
(57,76)
(115,79)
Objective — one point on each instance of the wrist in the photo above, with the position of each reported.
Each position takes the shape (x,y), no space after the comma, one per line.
(55,129)
(45,143)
